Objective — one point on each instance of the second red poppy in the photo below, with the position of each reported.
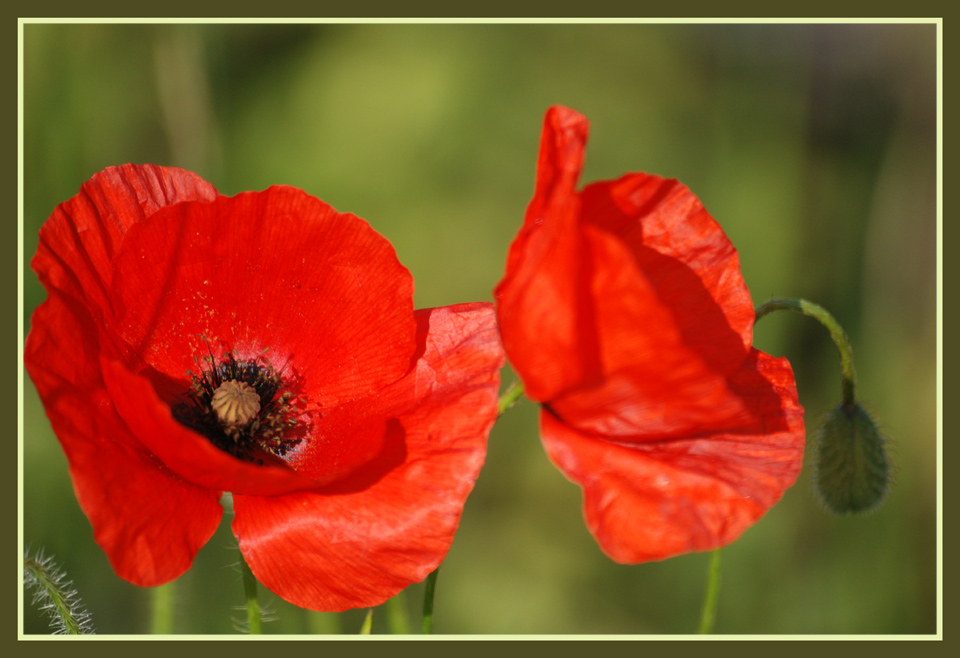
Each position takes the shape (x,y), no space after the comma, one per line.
(624,312)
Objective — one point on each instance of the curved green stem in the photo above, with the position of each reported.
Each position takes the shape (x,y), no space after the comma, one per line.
(253,606)
(431,585)
(709,612)
(510,397)
(836,333)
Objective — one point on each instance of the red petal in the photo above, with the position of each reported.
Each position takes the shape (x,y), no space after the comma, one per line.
(343,440)
(651,501)
(542,299)
(686,257)
(362,540)
(559,162)
(653,385)
(149,522)
(79,240)
(277,270)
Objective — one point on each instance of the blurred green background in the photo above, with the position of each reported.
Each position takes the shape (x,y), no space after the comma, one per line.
(814,146)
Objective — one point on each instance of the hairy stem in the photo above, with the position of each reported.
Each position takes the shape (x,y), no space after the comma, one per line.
(253,606)
(55,596)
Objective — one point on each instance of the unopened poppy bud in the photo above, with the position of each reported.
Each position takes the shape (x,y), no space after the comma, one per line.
(852,470)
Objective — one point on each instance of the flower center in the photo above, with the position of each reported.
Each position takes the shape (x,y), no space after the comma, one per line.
(242,407)
(235,404)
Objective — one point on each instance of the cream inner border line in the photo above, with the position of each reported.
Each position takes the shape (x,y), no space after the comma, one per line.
(488,20)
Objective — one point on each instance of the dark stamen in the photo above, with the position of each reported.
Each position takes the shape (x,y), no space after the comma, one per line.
(241,407)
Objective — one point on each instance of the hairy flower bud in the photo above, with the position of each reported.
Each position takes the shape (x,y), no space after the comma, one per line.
(852,469)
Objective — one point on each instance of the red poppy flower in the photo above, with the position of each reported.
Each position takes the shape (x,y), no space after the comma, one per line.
(265,345)
(624,312)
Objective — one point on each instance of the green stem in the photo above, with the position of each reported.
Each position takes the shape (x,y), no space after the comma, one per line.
(510,397)
(323,623)
(397,615)
(709,612)
(161,617)
(367,626)
(253,607)
(431,585)
(836,333)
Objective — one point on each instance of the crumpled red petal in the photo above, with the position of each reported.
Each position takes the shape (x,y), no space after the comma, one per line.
(626,338)
(358,542)
(147,519)
(544,286)
(685,256)
(651,501)
(652,385)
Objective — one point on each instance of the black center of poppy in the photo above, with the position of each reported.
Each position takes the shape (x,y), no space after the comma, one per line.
(242,406)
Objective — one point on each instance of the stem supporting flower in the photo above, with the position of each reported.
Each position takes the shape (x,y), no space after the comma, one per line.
(431,585)
(253,606)
(510,397)
(161,615)
(367,627)
(397,615)
(709,613)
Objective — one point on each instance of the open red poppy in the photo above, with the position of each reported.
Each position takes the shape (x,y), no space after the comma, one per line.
(265,345)
(624,312)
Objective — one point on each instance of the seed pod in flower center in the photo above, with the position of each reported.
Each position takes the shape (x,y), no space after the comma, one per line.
(235,403)
(242,408)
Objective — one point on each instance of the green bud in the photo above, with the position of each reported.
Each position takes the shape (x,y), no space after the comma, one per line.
(852,470)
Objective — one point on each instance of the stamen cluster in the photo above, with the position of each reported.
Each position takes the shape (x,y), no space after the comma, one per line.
(241,406)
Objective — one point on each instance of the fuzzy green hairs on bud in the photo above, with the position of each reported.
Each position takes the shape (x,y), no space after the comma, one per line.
(852,472)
